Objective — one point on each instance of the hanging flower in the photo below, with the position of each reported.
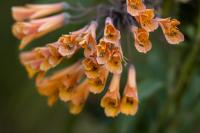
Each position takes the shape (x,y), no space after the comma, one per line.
(103,51)
(96,85)
(33,11)
(134,7)
(129,102)
(67,45)
(79,98)
(88,40)
(29,31)
(40,59)
(170,30)
(91,67)
(61,84)
(111,101)
(147,21)
(111,34)
(142,42)
(114,63)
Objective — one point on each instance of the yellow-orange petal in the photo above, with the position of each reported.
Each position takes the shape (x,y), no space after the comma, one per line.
(134,7)
(129,105)
(47,88)
(170,30)
(67,45)
(89,45)
(147,21)
(45,66)
(97,85)
(111,100)
(75,109)
(69,84)
(65,94)
(52,100)
(111,104)
(111,34)
(142,42)
(75,68)
(103,51)
(111,110)
(143,47)
(91,67)
(114,64)
(79,98)
(31,72)
(81,93)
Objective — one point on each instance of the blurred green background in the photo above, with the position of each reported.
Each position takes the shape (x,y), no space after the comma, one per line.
(168,82)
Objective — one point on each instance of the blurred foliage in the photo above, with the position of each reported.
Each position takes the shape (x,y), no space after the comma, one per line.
(168,78)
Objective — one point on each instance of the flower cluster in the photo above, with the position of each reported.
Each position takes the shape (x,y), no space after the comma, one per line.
(148,23)
(102,57)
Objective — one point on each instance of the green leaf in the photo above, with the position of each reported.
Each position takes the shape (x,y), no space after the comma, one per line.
(149,87)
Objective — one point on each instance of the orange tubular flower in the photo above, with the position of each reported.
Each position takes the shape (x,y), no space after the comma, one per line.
(111,101)
(134,7)
(111,34)
(89,45)
(114,63)
(103,51)
(68,45)
(146,20)
(79,98)
(29,31)
(40,59)
(170,30)
(91,68)
(33,11)
(88,40)
(69,83)
(142,42)
(84,38)
(47,88)
(97,85)
(55,57)
(129,102)
(60,83)
(68,79)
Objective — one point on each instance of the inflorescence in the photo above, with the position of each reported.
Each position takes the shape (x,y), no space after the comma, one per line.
(102,55)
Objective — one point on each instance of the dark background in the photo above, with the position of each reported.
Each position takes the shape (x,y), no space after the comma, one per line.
(168,82)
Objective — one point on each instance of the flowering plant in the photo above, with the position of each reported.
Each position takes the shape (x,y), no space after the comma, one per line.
(103,54)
